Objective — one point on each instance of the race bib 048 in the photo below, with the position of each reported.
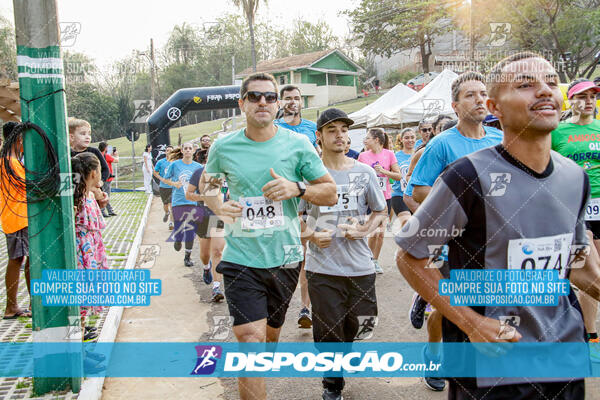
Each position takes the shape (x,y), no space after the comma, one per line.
(346,202)
(549,252)
(261,213)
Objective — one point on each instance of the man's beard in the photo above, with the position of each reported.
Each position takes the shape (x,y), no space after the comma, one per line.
(287,113)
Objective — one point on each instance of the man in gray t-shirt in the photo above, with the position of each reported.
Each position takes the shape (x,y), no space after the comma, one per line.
(339,269)
(358,190)
(515,206)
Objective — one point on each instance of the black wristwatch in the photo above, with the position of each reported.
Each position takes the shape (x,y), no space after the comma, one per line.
(301,188)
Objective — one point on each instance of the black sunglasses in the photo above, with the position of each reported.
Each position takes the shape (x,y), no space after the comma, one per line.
(254,97)
(426,129)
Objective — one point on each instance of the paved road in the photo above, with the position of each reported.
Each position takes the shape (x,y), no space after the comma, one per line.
(394,296)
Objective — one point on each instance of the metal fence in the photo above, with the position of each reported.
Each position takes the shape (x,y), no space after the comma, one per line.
(127,173)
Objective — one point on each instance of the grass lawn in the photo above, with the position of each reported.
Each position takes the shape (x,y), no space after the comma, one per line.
(190,132)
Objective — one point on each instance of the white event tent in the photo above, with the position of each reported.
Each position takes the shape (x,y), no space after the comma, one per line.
(402,105)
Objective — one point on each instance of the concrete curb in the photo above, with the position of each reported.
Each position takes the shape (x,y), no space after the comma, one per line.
(91,389)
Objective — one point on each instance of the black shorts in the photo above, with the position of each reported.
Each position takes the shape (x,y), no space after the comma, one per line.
(208,221)
(593,226)
(256,293)
(573,390)
(398,205)
(344,308)
(165,194)
(17,244)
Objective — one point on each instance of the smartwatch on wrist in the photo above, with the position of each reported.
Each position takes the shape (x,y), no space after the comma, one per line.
(301,188)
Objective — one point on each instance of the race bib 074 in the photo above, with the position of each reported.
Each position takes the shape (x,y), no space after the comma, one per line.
(549,252)
(261,213)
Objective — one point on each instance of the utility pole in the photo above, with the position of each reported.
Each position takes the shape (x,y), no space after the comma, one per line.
(152,72)
(472,39)
(233,69)
(51,221)
(233,82)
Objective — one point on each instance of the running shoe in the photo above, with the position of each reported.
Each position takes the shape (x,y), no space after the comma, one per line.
(332,395)
(304,319)
(417,311)
(594,350)
(90,329)
(170,226)
(166,217)
(432,383)
(95,356)
(112,214)
(428,310)
(90,336)
(217,295)
(187,261)
(435,384)
(92,367)
(207,274)
(378,269)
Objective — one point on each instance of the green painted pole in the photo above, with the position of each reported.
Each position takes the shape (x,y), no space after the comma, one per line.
(51,222)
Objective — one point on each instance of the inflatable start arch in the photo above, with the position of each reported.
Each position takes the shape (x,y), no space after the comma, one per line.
(184,100)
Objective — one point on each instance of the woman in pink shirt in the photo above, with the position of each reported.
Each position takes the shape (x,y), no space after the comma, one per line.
(385,165)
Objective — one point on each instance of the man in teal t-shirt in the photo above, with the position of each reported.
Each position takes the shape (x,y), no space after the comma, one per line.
(265,167)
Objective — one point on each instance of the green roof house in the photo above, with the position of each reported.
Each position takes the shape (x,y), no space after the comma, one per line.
(324,77)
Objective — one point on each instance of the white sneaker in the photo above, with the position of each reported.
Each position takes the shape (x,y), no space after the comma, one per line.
(378,269)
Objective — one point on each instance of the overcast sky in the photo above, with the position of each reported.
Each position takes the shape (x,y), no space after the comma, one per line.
(111,29)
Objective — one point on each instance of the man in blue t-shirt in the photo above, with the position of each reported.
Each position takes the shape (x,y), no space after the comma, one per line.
(291,102)
(469,95)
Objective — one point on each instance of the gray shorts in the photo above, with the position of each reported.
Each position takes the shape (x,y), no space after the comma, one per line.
(17,244)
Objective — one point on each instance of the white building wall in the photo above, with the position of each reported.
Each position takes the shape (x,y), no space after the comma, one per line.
(410,60)
(341,93)
(319,98)
(324,96)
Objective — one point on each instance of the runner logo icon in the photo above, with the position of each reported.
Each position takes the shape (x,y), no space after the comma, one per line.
(358,182)
(499,33)
(508,325)
(499,183)
(366,325)
(577,256)
(221,327)
(436,254)
(207,359)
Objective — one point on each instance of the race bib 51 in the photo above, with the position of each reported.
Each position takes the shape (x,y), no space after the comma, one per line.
(346,202)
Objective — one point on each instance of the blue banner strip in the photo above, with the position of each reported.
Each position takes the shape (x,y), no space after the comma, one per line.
(569,360)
